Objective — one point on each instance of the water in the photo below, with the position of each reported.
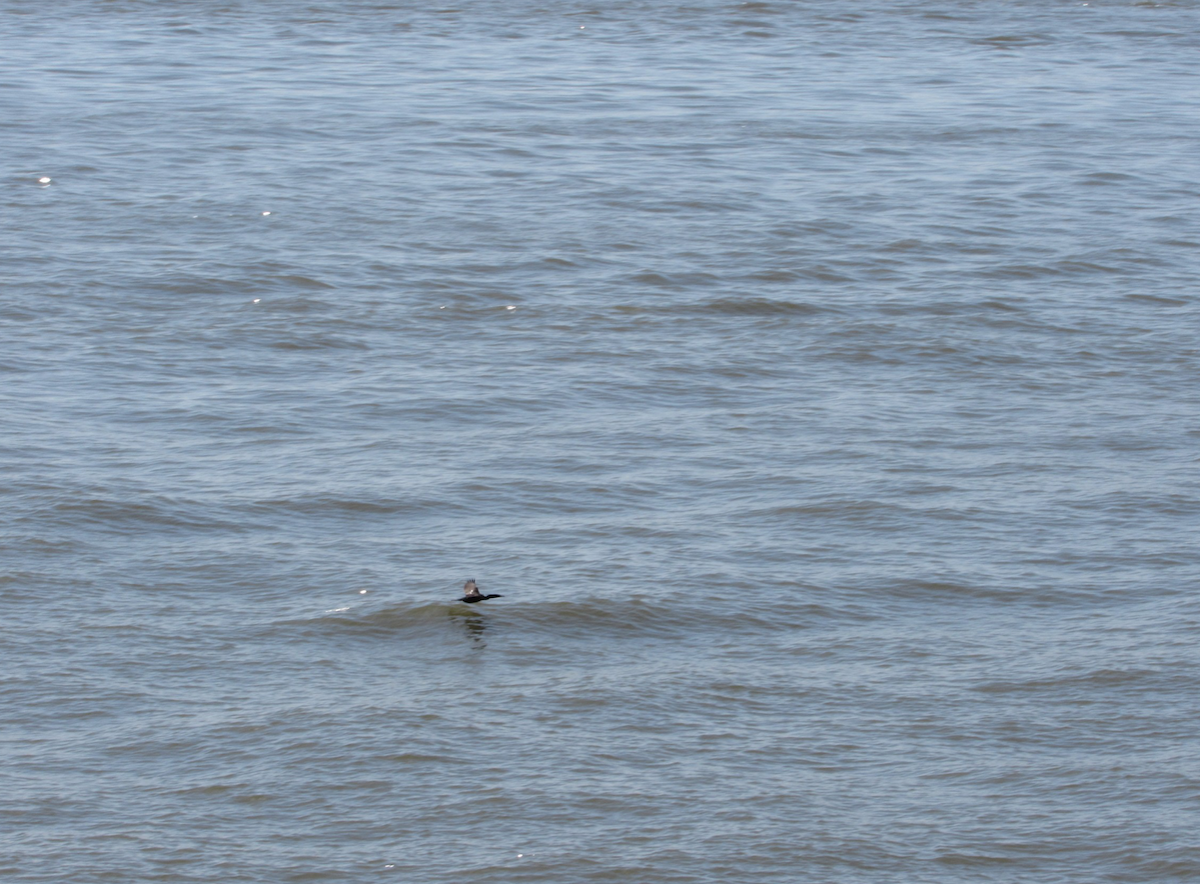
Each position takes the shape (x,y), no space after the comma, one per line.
(816,382)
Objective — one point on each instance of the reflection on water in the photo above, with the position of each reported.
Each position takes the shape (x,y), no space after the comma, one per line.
(474,623)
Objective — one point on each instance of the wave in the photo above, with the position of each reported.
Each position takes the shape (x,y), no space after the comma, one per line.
(757,307)
(1134,679)
(592,618)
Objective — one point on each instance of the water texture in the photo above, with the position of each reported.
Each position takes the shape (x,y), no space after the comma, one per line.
(817,382)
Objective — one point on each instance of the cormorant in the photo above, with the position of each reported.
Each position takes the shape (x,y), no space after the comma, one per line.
(471,593)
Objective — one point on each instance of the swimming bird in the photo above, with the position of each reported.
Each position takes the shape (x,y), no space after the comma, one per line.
(471,593)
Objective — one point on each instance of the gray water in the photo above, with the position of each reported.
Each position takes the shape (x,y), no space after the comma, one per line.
(816,381)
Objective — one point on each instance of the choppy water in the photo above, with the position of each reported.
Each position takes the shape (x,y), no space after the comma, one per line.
(817,382)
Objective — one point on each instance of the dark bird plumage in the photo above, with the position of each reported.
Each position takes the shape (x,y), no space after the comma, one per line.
(471,593)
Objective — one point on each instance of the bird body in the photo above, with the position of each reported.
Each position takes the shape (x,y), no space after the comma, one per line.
(471,593)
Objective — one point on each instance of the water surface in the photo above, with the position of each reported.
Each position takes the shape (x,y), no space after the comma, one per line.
(816,382)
